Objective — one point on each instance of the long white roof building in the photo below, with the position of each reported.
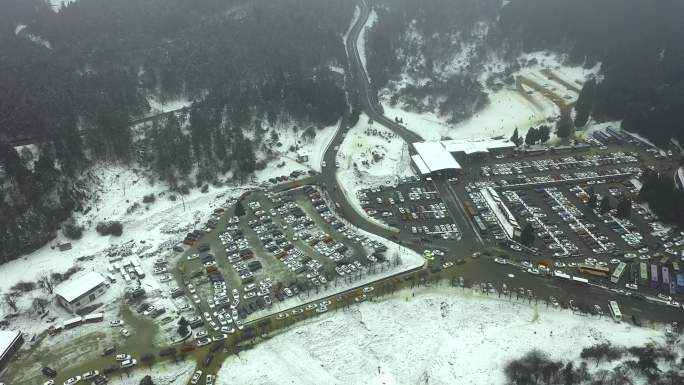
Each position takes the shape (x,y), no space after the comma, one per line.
(78,287)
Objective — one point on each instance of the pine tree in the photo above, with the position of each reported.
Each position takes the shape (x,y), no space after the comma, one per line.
(624,208)
(544,133)
(532,136)
(585,102)
(563,127)
(605,205)
(527,235)
(515,138)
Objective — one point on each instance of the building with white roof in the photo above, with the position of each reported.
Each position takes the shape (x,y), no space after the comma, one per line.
(439,156)
(435,157)
(10,342)
(81,291)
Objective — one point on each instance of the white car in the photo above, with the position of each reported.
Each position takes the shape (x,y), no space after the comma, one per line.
(210,379)
(125,333)
(48,382)
(73,380)
(196,377)
(129,363)
(90,374)
(631,286)
(115,323)
(122,357)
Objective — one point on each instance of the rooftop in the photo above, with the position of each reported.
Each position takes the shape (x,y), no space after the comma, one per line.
(76,287)
(475,145)
(422,167)
(435,156)
(6,340)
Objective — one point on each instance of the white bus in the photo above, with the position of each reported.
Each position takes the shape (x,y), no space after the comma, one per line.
(617,273)
(615,311)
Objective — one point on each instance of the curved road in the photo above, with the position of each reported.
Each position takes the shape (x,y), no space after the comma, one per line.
(482,271)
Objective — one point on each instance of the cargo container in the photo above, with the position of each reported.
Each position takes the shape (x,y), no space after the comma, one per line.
(654,276)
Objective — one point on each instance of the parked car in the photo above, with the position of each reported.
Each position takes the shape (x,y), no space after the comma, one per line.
(129,363)
(196,377)
(48,371)
(72,380)
(122,357)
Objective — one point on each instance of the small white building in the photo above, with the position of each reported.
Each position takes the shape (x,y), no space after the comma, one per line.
(81,291)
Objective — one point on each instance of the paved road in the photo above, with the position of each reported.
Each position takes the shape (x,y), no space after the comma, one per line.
(480,271)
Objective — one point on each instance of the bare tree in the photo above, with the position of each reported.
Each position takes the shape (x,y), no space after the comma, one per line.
(39,304)
(47,282)
(11,300)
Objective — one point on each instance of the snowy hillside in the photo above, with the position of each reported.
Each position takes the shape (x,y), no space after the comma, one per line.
(440,336)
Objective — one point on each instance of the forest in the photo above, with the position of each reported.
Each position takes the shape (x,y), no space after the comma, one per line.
(638,44)
(73,79)
(412,37)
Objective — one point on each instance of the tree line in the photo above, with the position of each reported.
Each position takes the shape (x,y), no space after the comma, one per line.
(245,64)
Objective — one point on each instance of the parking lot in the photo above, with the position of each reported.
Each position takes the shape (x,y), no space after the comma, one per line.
(283,245)
(414,207)
(572,233)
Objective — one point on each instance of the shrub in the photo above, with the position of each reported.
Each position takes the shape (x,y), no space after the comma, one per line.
(72,231)
(110,228)
(149,198)
(24,286)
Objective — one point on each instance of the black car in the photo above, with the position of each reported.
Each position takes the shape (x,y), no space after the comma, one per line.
(48,371)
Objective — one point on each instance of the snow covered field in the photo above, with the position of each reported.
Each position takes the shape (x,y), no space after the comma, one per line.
(440,336)
(508,109)
(289,137)
(149,230)
(371,155)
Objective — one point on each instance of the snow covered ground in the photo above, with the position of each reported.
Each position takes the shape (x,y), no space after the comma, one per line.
(148,231)
(166,373)
(508,109)
(371,155)
(158,106)
(292,141)
(440,336)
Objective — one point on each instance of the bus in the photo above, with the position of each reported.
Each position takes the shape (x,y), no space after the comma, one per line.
(617,273)
(594,270)
(654,276)
(643,270)
(666,278)
(615,311)
(480,225)
(680,283)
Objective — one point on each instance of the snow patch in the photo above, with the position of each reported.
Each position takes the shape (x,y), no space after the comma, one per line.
(442,336)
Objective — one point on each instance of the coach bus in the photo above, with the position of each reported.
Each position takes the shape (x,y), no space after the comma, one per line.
(643,270)
(615,311)
(617,273)
(594,270)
